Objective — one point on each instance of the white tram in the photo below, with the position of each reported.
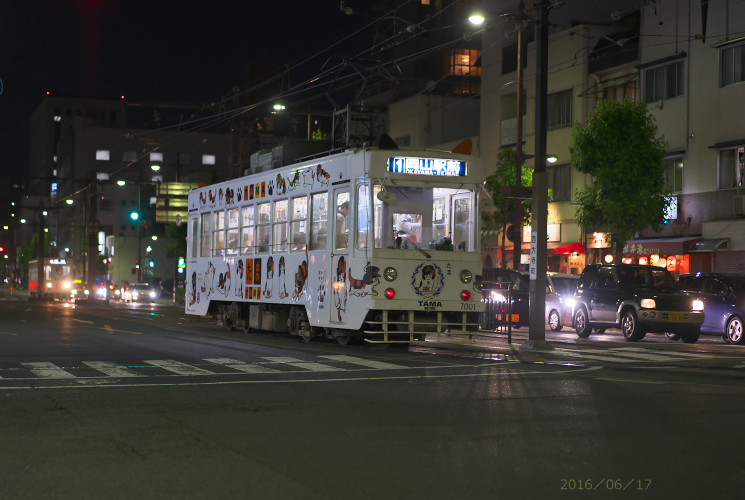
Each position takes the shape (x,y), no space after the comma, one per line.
(371,244)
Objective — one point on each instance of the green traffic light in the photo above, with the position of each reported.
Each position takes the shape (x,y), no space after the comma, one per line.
(134,215)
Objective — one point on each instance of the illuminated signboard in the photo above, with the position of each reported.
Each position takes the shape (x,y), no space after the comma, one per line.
(57,261)
(427,166)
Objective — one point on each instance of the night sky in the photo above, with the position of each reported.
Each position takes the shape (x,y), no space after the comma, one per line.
(168,50)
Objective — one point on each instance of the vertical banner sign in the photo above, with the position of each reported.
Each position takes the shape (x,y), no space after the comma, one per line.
(533,253)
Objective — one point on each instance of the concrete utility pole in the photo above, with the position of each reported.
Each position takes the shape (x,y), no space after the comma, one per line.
(538,248)
(517,219)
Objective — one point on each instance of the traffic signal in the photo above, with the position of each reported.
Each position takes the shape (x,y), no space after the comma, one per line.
(152,263)
(134,215)
(2,249)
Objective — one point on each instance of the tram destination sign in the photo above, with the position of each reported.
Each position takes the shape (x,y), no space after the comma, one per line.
(427,166)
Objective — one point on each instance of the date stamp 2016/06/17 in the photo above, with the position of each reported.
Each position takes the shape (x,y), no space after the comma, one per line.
(606,484)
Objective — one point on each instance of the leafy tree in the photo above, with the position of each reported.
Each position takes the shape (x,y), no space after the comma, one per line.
(503,208)
(620,148)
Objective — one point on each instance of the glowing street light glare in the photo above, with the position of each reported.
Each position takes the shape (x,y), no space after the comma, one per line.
(121,183)
(552,159)
(154,167)
(278,107)
(69,201)
(476,19)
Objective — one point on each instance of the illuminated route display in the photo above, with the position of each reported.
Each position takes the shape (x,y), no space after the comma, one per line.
(427,166)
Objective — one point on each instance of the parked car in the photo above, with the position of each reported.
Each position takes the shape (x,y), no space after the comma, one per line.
(560,299)
(723,296)
(505,293)
(636,298)
(139,292)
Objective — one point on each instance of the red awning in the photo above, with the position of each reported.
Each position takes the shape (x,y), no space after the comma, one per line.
(571,248)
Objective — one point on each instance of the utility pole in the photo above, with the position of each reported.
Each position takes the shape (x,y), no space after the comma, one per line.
(538,249)
(517,219)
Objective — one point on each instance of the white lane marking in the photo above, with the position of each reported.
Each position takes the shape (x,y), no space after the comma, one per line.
(177,367)
(305,365)
(47,370)
(369,363)
(241,366)
(112,369)
(690,355)
(598,358)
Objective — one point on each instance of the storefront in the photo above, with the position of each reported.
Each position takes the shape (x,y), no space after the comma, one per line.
(671,253)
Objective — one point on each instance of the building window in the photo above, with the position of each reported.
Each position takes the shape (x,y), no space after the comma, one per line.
(205,238)
(560,181)
(464,62)
(560,109)
(663,82)
(731,168)
(279,227)
(156,157)
(674,174)
(208,159)
(732,64)
(129,156)
(102,154)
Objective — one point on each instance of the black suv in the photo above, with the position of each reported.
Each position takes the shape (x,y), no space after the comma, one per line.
(638,299)
(505,293)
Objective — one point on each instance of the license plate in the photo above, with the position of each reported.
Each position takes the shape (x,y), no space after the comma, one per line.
(515,318)
(677,317)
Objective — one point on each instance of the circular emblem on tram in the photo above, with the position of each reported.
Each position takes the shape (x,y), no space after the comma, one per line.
(428,280)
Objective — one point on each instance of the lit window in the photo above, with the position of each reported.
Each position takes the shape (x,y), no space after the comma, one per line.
(218,232)
(233,231)
(280,226)
(247,230)
(102,154)
(464,62)
(208,159)
(156,156)
(298,229)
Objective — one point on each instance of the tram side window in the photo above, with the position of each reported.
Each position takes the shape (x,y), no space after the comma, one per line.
(363,216)
(298,228)
(233,228)
(319,225)
(280,225)
(247,230)
(341,237)
(463,229)
(205,239)
(218,240)
(263,235)
(194,234)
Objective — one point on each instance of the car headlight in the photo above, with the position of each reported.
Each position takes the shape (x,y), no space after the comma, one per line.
(498,297)
(87,292)
(570,303)
(466,276)
(153,294)
(648,304)
(390,274)
(698,305)
(135,294)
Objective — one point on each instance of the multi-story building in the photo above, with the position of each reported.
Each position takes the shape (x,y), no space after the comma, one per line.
(94,172)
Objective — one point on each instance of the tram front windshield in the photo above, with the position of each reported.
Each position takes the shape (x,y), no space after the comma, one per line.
(408,218)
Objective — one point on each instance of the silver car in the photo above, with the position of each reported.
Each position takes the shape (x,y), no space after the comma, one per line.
(559,299)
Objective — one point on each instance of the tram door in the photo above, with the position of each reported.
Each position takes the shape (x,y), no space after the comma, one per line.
(342,220)
(462,217)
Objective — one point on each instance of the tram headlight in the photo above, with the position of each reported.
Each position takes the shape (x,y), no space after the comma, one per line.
(390,274)
(466,276)
(390,293)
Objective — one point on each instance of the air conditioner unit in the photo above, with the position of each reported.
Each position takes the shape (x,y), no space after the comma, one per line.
(738,204)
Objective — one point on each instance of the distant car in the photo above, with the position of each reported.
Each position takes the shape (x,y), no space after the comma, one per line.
(139,292)
(723,296)
(560,299)
(505,293)
(79,292)
(636,298)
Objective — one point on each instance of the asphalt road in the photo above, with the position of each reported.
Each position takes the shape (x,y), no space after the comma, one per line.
(126,401)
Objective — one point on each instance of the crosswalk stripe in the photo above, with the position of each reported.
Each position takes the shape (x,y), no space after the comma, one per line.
(112,369)
(598,358)
(692,355)
(369,363)
(306,365)
(47,370)
(242,366)
(178,367)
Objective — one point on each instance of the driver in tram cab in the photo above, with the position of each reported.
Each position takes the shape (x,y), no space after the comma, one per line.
(341,225)
(461,232)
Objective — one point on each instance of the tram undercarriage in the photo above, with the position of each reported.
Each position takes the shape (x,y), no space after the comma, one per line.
(379,327)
